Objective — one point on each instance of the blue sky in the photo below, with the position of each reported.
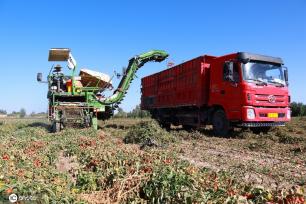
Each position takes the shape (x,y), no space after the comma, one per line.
(103,35)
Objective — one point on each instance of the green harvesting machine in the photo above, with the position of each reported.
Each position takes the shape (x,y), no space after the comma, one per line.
(79,100)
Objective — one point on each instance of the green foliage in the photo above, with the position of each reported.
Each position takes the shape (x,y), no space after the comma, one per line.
(22,112)
(120,113)
(87,181)
(138,113)
(108,169)
(3,111)
(38,115)
(135,113)
(169,185)
(148,131)
(298,109)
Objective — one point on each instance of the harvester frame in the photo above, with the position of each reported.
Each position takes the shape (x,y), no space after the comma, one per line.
(84,106)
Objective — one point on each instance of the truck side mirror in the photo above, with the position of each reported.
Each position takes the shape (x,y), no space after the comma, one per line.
(228,71)
(39,77)
(286,75)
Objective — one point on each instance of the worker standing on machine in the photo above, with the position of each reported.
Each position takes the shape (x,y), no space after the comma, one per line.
(58,80)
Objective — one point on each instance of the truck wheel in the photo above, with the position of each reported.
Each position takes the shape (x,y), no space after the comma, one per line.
(188,127)
(220,123)
(165,125)
(258,130)
(56,127)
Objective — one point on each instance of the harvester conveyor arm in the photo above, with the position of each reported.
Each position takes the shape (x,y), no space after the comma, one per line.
(134,64)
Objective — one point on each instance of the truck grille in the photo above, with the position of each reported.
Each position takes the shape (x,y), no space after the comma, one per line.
(266,99)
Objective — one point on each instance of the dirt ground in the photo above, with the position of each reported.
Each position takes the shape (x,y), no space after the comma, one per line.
(274,160)
(135,160)
(273,165)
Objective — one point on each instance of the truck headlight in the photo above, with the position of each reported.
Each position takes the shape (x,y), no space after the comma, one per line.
(288,114)
(250,113)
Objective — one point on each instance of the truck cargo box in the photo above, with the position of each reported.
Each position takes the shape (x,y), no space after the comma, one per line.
(186,84)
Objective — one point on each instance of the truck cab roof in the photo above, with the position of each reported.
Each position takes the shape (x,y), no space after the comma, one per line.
(246,56)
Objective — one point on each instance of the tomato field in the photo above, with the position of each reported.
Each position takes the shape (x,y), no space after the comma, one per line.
(135,161)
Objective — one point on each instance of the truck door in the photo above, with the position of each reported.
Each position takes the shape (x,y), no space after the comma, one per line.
(231,90)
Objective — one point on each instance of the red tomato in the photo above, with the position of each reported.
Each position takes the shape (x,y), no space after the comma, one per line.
(5,157)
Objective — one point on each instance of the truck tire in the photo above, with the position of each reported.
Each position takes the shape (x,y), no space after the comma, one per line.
(165,125)
(221,125)
(258,130)
(188,128)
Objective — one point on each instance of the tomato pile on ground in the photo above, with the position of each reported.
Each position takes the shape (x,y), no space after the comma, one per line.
(88,166)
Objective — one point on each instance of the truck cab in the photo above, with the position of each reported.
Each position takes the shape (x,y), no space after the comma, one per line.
(251,90)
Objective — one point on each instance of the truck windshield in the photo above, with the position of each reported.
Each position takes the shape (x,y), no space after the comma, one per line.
(263,73)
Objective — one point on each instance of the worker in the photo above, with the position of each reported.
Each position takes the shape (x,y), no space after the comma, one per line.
(58,79)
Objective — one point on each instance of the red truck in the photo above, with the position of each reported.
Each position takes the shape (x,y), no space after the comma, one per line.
(235,90)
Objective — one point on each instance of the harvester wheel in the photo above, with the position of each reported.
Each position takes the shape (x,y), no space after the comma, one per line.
(87,121)
(221,125)
(94,123)
(56,127)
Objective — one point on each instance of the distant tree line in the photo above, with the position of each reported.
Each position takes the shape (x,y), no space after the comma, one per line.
(3,112)
(21,113)
(135,113)
(298,109)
